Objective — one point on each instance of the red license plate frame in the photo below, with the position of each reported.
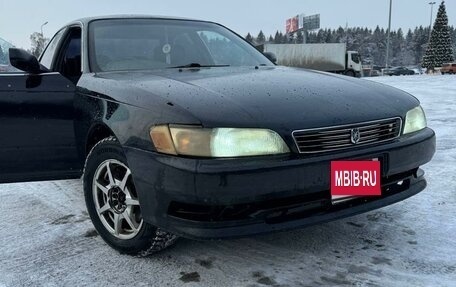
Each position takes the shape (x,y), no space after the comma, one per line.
(354,178)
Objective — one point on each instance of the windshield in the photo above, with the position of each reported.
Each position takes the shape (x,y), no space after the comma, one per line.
(139,44)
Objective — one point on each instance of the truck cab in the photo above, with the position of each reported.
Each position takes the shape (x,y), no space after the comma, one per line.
(354,65)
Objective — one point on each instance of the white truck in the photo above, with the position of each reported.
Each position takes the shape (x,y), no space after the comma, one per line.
(323,57)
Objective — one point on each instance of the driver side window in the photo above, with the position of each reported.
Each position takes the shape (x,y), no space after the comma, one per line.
(68,62)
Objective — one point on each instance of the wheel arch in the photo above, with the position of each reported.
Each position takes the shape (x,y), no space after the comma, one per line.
(97,132)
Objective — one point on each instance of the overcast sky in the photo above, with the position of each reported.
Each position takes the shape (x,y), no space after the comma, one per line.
(19,18)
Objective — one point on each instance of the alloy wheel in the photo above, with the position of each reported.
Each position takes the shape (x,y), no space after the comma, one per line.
(116,201)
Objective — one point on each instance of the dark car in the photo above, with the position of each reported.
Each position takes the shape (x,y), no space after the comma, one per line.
(398,71)
(182,128)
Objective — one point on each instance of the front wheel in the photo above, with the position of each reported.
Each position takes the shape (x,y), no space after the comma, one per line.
(113,204)
(350,73)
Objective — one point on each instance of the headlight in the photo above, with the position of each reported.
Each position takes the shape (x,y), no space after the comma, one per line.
(218,142)
(415,120)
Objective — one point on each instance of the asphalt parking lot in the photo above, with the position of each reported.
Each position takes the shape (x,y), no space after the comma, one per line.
(47,238)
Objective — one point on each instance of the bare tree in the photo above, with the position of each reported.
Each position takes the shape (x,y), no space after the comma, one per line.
(39,42)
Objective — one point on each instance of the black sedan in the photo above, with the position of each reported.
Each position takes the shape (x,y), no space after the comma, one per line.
(398,71)
(182,128)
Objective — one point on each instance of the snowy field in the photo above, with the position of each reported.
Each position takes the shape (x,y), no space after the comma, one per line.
(47,238)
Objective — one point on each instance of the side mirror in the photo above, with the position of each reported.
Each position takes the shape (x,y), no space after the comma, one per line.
(271,56)
(24,61)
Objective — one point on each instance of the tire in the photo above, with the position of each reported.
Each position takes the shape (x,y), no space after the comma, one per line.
(350,73)
(112,197)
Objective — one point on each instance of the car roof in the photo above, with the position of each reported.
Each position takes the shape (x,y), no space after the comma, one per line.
(86,20)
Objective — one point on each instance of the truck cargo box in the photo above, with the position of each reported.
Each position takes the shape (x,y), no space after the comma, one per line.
(323,57)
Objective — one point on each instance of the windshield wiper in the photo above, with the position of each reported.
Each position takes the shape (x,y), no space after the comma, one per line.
(197,65)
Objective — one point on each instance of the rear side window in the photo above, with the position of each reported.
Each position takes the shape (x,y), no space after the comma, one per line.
(49,53)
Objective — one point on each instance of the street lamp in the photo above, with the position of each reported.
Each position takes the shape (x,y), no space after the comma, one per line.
(388,35)
(42,25)
(430,23)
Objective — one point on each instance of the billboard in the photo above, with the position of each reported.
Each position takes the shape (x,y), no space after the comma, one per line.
(311,22)
(292,25)
(302,22)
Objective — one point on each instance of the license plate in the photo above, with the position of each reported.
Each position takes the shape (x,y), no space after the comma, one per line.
(351,179)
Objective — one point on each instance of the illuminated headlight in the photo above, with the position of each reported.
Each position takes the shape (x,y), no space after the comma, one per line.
(217,142)
(415,120)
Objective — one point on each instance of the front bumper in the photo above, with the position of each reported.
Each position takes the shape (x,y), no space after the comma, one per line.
(224,198)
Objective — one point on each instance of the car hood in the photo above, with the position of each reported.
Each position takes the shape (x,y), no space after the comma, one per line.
(279,98)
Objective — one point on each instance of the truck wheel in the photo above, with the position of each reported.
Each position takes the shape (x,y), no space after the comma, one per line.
(350,73)
(113,203)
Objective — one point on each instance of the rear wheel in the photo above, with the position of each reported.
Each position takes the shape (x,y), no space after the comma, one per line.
(113,203)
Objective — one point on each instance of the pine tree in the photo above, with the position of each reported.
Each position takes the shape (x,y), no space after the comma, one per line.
(277,38)
(320,36)
(329,36)
(299,37)
(420,39)
(249,38)
(284,38)
(407,51)
(453,39)
(439,50)
(397,45)
(260,38)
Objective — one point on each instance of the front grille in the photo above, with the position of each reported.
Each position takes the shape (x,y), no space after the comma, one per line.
(347,136)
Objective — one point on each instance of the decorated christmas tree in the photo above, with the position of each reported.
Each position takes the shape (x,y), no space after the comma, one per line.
(439,50)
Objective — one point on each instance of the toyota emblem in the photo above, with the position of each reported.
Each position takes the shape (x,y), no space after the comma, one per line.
(355,136)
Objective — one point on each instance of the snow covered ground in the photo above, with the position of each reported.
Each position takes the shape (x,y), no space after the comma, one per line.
(46,238)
